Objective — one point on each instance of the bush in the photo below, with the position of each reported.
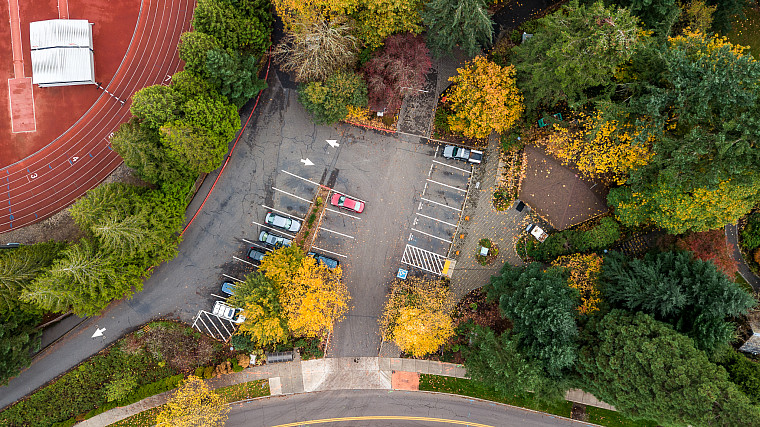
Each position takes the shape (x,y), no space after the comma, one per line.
(742,371)
(243,342)
(199,371)
(511,141)
(442,120)
(328,102)
(604,234)
(567,242)
(208,372)
(121,385)
(751,232)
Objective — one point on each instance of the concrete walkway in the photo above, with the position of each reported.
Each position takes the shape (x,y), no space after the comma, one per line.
(342,373)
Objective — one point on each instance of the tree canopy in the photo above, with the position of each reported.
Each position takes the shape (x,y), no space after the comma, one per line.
(194,404)
(648,371)
(328,102)
(690,294)
(483,99)
(265,322)
(542,309)
(452,23)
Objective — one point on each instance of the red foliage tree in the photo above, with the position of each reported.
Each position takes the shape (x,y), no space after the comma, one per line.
(397,70)
(710,246)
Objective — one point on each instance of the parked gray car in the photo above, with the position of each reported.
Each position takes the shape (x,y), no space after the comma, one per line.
(274,240)
(459,153)
(280,221)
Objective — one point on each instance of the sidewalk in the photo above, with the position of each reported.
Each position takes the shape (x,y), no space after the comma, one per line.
(343,373)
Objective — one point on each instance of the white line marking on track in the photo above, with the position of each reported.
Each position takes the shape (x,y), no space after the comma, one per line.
(281,212)
(291,195)
(242,260)
(430,235)
(299,177)
(230,277)
(440,204)
(335,232)
(329,252)
(435,219)
(342,213)
(276,230)
(453,167)
(447,185)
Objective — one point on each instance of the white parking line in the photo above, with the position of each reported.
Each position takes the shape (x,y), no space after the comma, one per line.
(430,235)
(284,213)
(440,204)
(435,219)
(446,185)
(291,195)
(277,230)
(431,169)
(335,232)
(436,151)
(214,324)
(342,213)
(239,259)
(299,177)
(258,245)
(453,167)
(233,278)
(219,297)
(329,252)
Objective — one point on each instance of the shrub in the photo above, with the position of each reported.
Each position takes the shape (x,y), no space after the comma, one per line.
(208,373)
(121,385)
(199,371)
(604,234)
(710,246)
(327,102)
(751,232)
(442,120)
(743,372)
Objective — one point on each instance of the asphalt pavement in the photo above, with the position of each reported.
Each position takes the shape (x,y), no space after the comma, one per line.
(376,408)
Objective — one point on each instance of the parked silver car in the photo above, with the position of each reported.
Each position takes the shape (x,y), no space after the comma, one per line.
(280,221)
(274,240)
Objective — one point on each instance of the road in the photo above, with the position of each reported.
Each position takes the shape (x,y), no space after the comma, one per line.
(376,408)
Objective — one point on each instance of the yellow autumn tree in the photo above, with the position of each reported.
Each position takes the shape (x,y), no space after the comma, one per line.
(312,296)
(378,19)
(315,300)
(194,404)
(583,273)
(259,297)
(288,10)
(484,99)
(417,316)
(600,147)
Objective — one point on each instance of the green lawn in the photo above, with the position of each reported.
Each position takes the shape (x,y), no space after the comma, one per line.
(465,387)
(746,32)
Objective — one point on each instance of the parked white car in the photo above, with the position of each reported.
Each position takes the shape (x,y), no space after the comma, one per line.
(226,312)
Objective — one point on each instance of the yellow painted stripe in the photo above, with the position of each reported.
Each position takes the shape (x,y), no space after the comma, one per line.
(446,266)
(381,418)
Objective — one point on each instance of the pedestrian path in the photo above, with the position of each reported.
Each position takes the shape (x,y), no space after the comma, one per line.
(341,373)
(732,239)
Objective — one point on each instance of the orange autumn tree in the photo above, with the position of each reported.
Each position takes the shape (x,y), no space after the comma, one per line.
(484,99)
(583,273)
(417,316)
(601,147)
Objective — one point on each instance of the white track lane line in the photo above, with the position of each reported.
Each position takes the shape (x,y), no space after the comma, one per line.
(453,167)
(449,186)
(430,235)
(291,195)
(440,204)
(342,213)
(335,232)
(329,252)
(435,219)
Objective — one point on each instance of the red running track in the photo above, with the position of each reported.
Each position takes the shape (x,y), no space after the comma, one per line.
(54,177)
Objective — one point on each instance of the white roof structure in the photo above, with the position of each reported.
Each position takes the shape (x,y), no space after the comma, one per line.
(62,52)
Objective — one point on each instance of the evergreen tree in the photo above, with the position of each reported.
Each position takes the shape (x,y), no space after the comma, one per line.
(648,371)
(19,267)
(239,25)
(542,309)
(265,322)
(690,294)
(463,23)
(18,339)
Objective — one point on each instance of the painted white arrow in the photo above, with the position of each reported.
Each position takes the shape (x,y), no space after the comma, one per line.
(98,332)
(333,143)
(307,162)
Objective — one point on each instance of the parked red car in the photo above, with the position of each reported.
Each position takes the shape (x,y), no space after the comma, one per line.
(345,202)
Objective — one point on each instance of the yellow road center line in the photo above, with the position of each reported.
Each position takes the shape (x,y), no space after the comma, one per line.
(382,417)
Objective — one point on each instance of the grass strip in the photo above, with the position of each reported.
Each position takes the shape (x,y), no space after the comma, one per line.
(466,387)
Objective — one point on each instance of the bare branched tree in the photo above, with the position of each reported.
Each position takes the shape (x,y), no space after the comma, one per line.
(314,50)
